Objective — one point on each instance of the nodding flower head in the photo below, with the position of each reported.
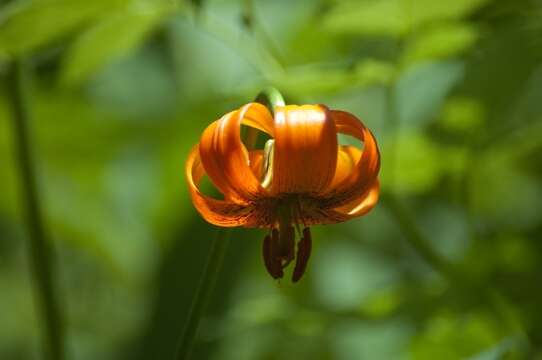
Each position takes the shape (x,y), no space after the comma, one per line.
(302,177)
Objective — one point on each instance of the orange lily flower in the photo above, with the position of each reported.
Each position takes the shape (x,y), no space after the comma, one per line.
(303,176)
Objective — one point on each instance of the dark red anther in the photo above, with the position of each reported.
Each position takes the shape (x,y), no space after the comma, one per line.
(271,261)
(307,234)
(275,238)
(275,249)
(304,247)
(287,245)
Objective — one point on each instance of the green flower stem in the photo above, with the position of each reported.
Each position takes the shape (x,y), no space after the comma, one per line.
(203,293)
(39,247)
(270,97)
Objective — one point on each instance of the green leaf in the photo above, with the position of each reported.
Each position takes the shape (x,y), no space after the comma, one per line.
(110,39)
(420,12)
(442,41)
(312,80)
(416,166)
(505,349)
(367,18)
(395,17)
(381,304)
(462,114)
(36,23)
(374,72)
(421,90)
(497,199)
(317,79)
(455,336)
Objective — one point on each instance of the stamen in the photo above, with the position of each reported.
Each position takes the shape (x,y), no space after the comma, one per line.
(270,258)
(287,242)
(298,218)
(275,245)
(280,246)
(275,253)
(287,233)
(275,236)
(304,247)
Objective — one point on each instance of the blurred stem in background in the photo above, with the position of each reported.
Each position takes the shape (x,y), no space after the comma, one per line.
(251,22)
(497,302)
(270,97)
(393,127)
(39,247)
(203,292)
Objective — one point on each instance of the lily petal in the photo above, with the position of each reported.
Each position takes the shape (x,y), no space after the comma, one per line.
(259,117)
(305,149)
(217,212)
(348,157)
(365,172)
(320,214)
(256,158)
(226,159)
(360,205)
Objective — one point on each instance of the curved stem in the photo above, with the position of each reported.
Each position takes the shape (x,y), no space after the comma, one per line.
(203,292)
(39,247)
(271,98)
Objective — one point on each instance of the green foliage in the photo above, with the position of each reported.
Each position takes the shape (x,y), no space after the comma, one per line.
(395,18)
(369,72)
(486,189)
(33,24)
(112,37)
(120,91)
(420,91)
(462,115)
(415,163)
(441,41)
(448,336)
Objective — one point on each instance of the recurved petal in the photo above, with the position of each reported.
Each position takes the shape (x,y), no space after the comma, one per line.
(259,117)
(347,158)
(218,212)
(256,158)
(365,172)
(226,159)
(305,149)
(321,214)
(360,205)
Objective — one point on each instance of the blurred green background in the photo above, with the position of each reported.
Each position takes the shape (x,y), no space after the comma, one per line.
(448,265)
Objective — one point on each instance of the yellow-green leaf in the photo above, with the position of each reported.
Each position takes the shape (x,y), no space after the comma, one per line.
(441,41)
(25,27)
(395,17)
(113,37)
